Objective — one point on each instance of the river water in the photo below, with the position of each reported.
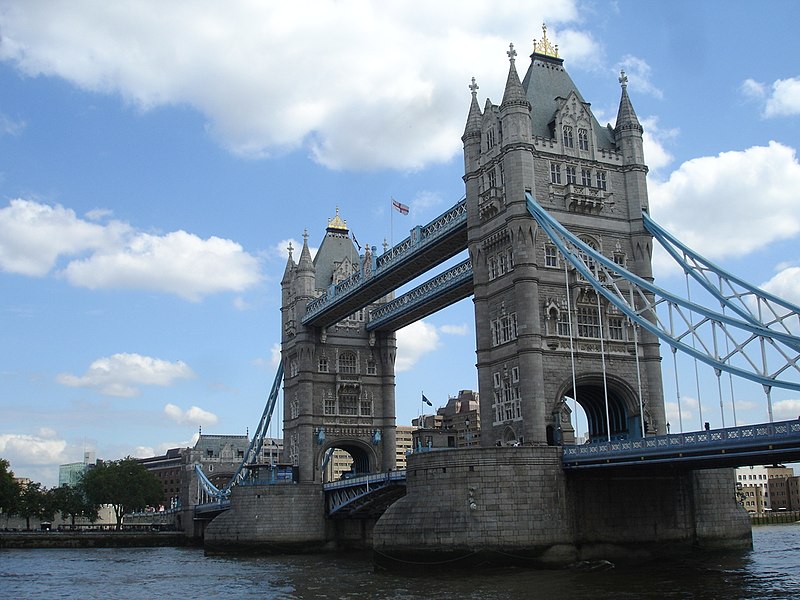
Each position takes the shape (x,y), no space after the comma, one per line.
(770,571)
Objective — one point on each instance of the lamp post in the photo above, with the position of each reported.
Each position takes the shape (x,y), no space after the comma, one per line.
(466,433)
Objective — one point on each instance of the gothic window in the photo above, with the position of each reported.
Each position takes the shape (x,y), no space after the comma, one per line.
(586,177)
(588,322)
(616,330)
(504,329)
(347,363)
(507,403)
(490,139)
(510,259)
(502,263)
(293,368)
(583,139)
(372,369)
(514,374)
(555,173)
(572,176)
(348,404)
(600,177)
(492,178)
(563,324)
(294,407)
(569,141)
(323,364)
(492,267)
(496,379)
(619,258)
(330,405)
(366,408)
(550,256)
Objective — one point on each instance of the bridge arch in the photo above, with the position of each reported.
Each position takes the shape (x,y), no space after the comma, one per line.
(623,407)
(365,458)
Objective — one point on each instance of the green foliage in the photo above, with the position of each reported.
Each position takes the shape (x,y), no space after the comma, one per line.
(34,503)
(72,502)
(9,490)
(125,484)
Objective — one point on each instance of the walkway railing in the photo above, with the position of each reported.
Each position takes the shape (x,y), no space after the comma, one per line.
(780,439)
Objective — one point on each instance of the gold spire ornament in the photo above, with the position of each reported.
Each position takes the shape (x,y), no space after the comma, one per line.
(544,46)
(337,222)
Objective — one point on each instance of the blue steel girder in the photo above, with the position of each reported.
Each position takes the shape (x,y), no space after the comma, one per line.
(750,302)
(426,247)
(435,294)
(365,496)
(763,355)
(729,447)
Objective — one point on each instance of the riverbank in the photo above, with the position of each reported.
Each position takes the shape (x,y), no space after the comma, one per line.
(779,517)
(93,539)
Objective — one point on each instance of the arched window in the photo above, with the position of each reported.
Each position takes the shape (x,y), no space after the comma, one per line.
(569,139)
(347,363)
(583,139)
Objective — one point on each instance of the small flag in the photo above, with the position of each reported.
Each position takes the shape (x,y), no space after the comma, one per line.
(355,241)
(426,401)
(402,208)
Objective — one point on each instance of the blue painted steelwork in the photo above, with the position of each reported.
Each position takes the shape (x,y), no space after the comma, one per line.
(362,493)
(391,269)
(639,299)
(425,299)
(732,446)
(253,451)
(731,291)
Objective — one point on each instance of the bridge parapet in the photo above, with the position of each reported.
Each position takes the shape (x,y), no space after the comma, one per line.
(748,444)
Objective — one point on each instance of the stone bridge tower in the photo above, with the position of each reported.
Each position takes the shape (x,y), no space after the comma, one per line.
(544,139)
(338,380)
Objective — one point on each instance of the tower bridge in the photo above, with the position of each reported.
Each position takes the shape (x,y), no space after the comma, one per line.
(556,225)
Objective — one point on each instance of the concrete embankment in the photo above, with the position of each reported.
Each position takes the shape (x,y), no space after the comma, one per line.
(104,539)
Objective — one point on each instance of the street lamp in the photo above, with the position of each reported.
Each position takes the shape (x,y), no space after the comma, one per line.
(466,434)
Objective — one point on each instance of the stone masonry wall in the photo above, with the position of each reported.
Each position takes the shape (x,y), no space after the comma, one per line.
(271,518)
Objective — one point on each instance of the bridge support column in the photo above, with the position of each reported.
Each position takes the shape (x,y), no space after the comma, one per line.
(501,506)
(280,519)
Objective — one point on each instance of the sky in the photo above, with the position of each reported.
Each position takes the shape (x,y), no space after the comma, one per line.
(156,159)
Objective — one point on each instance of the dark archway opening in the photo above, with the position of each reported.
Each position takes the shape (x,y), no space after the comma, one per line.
(602,424)
(343,461)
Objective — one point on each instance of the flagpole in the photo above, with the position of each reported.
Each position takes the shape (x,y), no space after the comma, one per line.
(391,221)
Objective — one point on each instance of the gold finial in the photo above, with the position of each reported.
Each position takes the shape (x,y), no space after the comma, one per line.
(545,47)
(337,223)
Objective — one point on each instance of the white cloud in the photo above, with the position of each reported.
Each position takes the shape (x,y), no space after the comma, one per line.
(9,126)
(785,284)
(638,73)
(781,99)
(462,329)
(414,341)
(275,355)
(23,449)
(786,409)
(34,236)
(655,139)
(160,449)
(356,84)
(757,186)
(122,374)
(191,416)
(178,263)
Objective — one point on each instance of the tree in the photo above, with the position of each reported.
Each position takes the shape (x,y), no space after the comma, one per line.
(125,484)
(9,489)
(72,502)
(33,503)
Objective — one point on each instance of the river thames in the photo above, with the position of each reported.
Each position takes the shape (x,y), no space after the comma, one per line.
(770,571)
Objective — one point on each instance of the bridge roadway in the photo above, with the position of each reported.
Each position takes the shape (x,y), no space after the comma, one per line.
(427,246)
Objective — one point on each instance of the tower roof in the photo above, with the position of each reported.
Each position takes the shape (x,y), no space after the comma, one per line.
(336,248)
(546,85)
(514,93)
(474,116)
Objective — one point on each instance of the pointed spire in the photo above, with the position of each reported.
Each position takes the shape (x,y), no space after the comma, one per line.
(626,116)
(290,266)
(474,116)
(514,92)
(305,262)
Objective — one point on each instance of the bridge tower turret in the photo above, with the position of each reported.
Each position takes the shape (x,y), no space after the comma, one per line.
(338,380)
(543,335)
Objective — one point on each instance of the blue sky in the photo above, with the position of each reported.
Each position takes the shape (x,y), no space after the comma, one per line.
(156,159)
